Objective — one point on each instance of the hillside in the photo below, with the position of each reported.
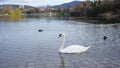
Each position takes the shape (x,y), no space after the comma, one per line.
(14,6)
(65,5)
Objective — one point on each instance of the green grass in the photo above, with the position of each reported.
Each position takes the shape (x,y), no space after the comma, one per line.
(60,13)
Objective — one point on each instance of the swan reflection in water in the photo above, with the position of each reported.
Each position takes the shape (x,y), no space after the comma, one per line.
(62,65)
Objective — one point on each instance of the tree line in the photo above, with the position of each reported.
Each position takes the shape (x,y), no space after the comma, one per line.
(97,8)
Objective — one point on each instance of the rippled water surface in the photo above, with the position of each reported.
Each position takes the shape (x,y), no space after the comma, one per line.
(22,46)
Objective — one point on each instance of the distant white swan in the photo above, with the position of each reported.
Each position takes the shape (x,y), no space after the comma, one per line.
(72,48)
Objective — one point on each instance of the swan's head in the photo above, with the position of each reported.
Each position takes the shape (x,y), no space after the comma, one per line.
(61,35)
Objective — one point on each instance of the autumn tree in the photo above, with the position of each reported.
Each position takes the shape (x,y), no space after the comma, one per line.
(15,12)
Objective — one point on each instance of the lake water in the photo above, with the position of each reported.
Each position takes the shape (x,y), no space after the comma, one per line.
(22,46)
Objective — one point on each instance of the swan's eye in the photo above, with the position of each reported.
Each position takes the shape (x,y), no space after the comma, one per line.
(60,35)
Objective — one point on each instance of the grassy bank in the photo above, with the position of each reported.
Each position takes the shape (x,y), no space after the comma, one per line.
(60,14)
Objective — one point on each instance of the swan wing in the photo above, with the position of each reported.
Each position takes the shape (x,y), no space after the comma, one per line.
(74,49)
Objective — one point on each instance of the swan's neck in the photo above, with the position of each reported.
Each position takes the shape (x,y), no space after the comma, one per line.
(62,44)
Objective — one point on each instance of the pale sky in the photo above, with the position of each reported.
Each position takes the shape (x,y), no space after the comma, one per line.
(36,2)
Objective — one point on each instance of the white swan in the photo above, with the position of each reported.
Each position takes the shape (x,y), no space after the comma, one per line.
(72,48)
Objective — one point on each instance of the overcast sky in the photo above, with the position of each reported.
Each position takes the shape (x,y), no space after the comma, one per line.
(36,2)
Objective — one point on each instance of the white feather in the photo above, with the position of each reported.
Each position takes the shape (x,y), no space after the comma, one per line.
(72,48)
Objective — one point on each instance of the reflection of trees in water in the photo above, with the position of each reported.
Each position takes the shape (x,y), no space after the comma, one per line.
(48,18)
(62,65)
(93,20)
(12,18)
(32,16)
